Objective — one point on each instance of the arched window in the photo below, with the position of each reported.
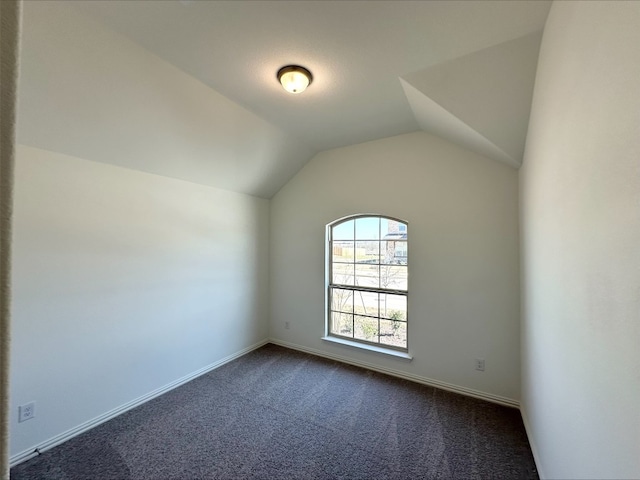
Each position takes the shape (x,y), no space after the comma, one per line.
(368,281)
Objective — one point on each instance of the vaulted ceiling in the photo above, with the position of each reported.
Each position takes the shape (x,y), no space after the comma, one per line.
(459,69)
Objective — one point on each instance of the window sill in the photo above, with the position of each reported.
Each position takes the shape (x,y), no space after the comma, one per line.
(370,348)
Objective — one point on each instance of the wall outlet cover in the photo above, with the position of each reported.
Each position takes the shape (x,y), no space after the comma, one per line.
(26,411)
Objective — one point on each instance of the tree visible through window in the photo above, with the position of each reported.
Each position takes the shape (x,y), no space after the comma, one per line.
(368,281)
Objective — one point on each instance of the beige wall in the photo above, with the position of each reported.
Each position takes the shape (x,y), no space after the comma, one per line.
(463,254)
(580,197)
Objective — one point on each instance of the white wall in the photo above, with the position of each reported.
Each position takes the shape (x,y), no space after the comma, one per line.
(580,198)
(124,282)
(463,254)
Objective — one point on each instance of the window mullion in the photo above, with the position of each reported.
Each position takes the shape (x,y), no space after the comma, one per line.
(368,289)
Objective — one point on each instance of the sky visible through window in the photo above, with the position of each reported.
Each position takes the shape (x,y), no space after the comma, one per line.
(367,228)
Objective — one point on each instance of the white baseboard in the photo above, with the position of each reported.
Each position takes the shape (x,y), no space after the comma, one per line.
(490,397)
(69,434)
(532,444)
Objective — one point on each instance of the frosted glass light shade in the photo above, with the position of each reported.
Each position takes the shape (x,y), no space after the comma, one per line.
(294,79)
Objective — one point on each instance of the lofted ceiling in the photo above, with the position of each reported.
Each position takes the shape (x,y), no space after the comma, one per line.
(463,70)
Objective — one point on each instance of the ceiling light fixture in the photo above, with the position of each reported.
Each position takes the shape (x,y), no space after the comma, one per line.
(294,79)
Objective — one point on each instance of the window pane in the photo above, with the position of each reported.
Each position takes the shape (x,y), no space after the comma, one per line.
(343,273)
(393,277)
(394,229)
(343,251)
(368,252)
(342,324)
(341,300)
(400,252)
(366,303)
(366,328)
(387,252)
(343,231)
(368,228)
(394,252)
(384,227)
(393,307)
(367,276)
(393,333)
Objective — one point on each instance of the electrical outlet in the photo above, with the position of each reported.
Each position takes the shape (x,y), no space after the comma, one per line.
(480,364)
(286,325)
(26,411)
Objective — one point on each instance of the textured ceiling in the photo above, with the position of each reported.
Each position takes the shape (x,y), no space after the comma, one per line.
(357,51)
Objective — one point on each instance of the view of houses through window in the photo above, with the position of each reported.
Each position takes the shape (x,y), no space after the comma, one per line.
(368,281)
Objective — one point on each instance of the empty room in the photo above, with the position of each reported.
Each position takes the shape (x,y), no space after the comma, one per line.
(320,239)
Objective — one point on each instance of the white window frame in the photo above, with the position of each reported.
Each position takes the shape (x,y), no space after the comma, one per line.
(376,346)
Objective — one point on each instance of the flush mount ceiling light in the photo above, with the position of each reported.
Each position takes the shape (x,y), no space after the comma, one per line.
(294,79)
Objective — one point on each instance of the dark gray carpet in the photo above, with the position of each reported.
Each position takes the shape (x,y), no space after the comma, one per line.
(279,413)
